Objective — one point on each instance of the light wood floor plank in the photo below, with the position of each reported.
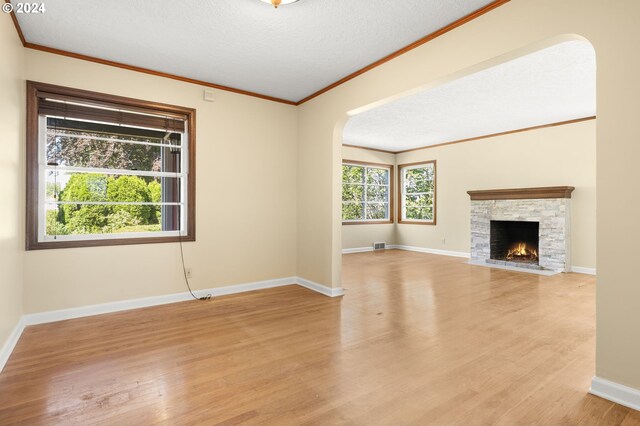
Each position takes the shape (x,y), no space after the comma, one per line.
(418,339)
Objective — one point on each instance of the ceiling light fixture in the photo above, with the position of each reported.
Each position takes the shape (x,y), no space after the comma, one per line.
(277,3)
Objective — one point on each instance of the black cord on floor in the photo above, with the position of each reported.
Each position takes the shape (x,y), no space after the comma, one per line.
(184,272)
(184,268)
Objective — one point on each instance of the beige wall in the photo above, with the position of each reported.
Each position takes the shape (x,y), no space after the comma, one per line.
(245,219)
(553,156)
(358,236)
(560,155)
(12,89)
(238,247)
(513,29)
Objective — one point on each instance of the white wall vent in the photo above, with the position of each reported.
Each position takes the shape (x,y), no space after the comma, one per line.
(379,246)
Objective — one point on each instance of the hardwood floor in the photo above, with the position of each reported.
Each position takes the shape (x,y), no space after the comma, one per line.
(418,339)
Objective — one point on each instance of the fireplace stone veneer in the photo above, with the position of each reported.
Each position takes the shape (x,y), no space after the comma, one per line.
(551,207)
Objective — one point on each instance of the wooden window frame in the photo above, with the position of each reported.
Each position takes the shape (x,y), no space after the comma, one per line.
(391,219)
(401,194)
(35,90)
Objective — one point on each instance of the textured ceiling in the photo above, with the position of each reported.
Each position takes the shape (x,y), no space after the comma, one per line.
(288,53)
(552,85)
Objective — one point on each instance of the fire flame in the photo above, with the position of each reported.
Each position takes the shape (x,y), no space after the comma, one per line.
(521,250)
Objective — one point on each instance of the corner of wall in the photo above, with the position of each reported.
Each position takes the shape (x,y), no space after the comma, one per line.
(12,126)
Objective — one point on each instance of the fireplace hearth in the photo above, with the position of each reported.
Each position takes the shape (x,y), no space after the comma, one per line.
(514,241)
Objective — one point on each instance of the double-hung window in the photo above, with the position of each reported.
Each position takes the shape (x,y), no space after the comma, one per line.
(417,188)
(366,193)
(105,170)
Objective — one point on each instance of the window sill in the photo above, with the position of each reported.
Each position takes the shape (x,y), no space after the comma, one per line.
(416,222)
(46,245)
(369,222)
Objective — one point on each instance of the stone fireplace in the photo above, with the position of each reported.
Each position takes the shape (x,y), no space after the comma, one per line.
(523,228)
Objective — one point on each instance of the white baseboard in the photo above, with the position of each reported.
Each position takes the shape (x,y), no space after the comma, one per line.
(123,305)
(10,344)
(623,395)
(357,250)
(433,251)
(577,269)
(581,270)
(408,248)
(104,308)
(327,291)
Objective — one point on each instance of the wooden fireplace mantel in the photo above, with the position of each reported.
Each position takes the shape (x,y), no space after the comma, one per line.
(522,193)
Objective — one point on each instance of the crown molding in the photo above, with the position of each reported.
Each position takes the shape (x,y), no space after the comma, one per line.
(152,72)
(524,129)
(368,149)
(408,48)
(17,25)
(508,132)
(369,67)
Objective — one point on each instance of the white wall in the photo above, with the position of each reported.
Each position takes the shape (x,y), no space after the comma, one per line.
(12,95)
(246,198)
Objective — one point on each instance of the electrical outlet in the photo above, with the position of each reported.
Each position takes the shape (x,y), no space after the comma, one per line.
(188,272)
(444,241)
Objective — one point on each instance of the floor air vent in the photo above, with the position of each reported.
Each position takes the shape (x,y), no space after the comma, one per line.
(379,246)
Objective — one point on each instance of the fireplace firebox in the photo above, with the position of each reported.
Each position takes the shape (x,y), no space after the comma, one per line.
(514,241)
